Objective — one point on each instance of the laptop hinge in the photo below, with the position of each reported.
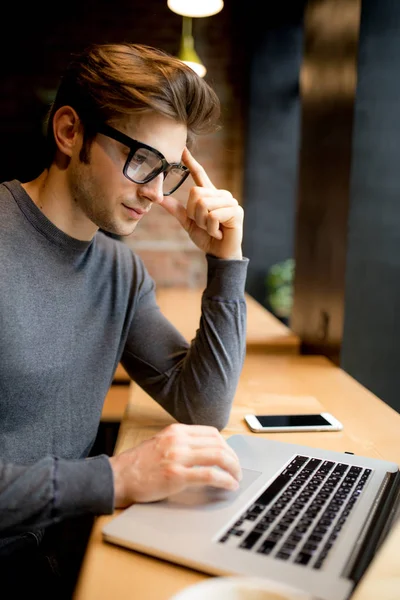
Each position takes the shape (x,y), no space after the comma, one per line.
(380,524)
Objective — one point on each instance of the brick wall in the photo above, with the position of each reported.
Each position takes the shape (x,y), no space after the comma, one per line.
(31,67)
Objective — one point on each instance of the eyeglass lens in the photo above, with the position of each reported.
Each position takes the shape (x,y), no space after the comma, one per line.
(144,163)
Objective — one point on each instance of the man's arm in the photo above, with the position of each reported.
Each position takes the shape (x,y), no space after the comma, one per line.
(197,384)
(52,489)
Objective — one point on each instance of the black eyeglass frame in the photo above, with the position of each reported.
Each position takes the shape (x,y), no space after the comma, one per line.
(134,145)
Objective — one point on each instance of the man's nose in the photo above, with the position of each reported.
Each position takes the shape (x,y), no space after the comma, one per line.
(153,190)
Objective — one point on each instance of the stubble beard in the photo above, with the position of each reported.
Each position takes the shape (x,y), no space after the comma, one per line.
(91,201)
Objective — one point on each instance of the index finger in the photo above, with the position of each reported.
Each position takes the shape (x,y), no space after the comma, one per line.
(198,173)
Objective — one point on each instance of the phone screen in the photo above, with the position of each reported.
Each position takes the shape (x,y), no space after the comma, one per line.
(291,420)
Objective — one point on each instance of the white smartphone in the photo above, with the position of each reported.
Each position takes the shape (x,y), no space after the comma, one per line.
(305,422)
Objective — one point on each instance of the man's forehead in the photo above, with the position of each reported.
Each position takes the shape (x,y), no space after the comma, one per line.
(163,133)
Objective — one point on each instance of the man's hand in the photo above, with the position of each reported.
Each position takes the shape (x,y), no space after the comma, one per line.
(212,218)
(177,457)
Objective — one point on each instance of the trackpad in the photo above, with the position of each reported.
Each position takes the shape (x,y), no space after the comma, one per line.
(210,497)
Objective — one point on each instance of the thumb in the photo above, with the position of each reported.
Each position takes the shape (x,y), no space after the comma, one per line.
(176,209)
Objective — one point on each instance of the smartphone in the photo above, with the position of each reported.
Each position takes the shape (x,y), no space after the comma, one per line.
(306,422)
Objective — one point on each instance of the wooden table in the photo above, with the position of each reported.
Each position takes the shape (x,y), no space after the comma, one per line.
(265,333)
(269,383)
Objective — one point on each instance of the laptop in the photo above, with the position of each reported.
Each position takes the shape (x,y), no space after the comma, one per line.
(307,517)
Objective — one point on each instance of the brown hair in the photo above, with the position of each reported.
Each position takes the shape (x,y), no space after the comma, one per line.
(113,81)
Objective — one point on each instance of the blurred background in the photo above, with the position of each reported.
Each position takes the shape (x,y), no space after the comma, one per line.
(36,47)
(309,145)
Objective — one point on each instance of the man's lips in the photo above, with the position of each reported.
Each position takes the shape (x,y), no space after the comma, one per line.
(135,212)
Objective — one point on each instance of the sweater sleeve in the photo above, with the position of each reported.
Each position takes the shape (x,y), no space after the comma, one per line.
(195,382)
(52,489)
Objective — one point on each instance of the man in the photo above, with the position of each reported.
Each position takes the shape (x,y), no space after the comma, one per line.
(74,302)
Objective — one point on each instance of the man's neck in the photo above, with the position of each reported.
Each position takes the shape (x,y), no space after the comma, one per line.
(50,193)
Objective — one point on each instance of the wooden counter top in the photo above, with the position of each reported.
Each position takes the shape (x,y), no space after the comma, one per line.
(269,383)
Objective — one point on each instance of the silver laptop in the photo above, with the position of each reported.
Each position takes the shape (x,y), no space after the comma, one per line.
(307,517)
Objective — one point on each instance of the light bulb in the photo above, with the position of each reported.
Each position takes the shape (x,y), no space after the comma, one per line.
(196,8)
(197,67)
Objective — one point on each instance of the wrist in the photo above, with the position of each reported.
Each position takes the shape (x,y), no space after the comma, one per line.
(119,490)
(236,256)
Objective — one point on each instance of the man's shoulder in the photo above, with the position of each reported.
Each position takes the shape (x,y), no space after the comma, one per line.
(109,243)
(10,196)
(116,249)
(8,189)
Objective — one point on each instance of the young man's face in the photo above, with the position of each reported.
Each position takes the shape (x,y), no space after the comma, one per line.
(100,189)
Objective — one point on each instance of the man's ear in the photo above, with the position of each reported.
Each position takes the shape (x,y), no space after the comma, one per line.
(67,129)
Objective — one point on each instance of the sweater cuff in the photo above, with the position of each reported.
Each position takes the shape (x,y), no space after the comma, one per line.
(226,279)
(84,486)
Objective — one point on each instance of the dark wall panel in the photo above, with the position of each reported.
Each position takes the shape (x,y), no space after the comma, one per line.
(271,150)
(370,349)
(328,87)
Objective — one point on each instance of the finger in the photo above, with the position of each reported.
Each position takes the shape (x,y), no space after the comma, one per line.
(213,226)
(195,435)
(197,172)
(210,476)
(198,436)
(228,217)
(212,457)
(208,199)
(205,442)
(200,215)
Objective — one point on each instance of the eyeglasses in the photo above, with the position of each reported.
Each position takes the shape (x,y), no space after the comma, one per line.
(144,163)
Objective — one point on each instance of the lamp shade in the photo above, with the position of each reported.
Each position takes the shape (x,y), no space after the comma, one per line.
(195,8)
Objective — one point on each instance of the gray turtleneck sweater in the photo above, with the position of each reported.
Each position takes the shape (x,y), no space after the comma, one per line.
(70,311)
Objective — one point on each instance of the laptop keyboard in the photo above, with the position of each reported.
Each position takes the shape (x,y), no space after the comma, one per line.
(299,516)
